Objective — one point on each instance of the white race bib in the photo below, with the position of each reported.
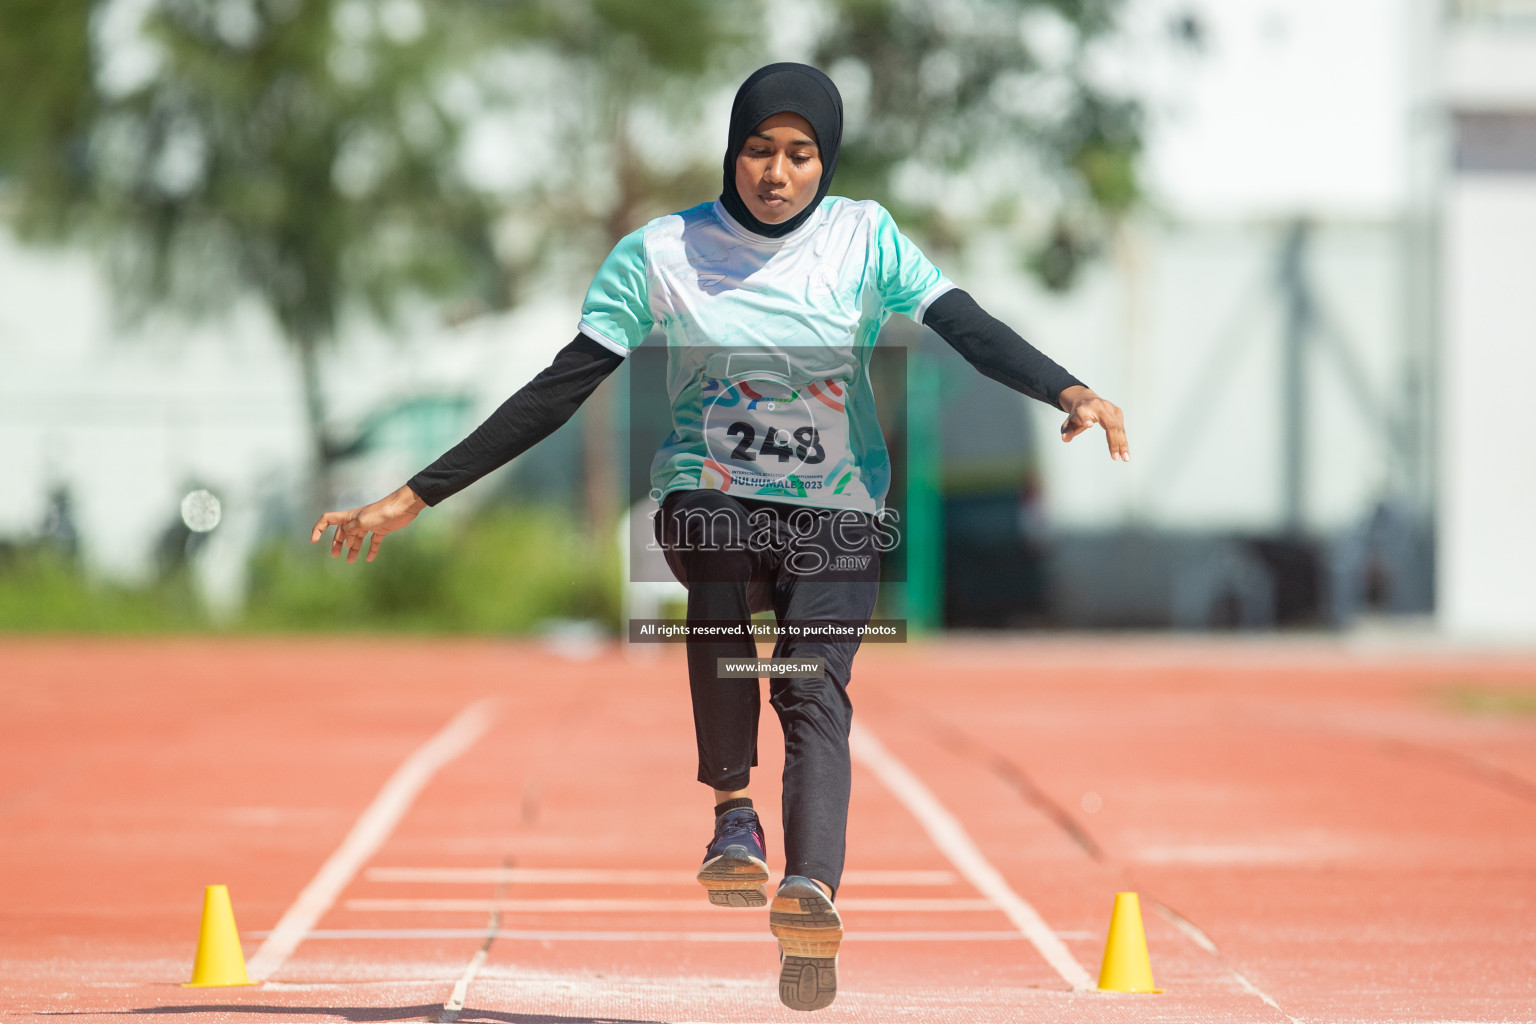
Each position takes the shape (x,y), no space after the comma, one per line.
(766,438)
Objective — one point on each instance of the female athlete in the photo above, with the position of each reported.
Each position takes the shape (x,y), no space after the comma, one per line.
(772,483)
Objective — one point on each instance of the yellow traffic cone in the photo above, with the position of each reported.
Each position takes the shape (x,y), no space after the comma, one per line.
(219,959)
(1126,965)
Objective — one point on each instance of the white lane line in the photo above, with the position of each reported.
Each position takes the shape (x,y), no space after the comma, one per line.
(597,936)
(368,834)
(610,906)
(1191,931)
(946,832)
(600,876)
(1263,996)
(1197,935)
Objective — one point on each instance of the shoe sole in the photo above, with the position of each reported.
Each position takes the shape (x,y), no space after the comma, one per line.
(809,931)
(735,879)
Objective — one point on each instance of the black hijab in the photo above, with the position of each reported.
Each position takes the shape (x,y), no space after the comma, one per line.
(777,89)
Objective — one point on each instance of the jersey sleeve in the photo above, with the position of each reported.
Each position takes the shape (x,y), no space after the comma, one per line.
(907,281)
(617,310)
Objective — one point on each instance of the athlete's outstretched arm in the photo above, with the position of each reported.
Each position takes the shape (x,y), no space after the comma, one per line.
(997,351)
(537,410)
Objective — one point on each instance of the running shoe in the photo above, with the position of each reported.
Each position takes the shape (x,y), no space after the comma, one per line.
(735,868)
(809,931)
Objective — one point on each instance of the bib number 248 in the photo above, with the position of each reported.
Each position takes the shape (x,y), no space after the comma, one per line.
(807,448)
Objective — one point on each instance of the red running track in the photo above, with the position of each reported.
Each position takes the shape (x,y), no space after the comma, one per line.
(1316,835)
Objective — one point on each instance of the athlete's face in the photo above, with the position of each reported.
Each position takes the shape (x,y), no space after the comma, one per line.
(779,168)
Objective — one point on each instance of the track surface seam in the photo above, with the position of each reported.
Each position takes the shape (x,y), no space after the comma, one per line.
(455,1004)
(958,741)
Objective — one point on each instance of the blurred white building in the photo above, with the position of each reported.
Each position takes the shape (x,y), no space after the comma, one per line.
(1259,322)
(1487,510)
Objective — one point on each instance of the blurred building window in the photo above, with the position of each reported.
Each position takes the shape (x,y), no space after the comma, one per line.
(1496,142)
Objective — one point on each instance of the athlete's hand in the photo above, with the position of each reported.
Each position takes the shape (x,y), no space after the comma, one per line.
(354,525)
(1084,409)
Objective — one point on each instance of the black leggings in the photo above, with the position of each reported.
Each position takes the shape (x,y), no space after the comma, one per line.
(740,555)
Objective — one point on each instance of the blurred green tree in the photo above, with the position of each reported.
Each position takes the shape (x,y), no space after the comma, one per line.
(311,152)
(1002,95)
(304,152)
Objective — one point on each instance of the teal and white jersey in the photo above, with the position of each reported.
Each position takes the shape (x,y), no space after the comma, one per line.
(769,342)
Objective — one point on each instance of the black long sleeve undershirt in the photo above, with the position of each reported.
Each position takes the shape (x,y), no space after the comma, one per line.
(545,403)
(996,349)
(537,410)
